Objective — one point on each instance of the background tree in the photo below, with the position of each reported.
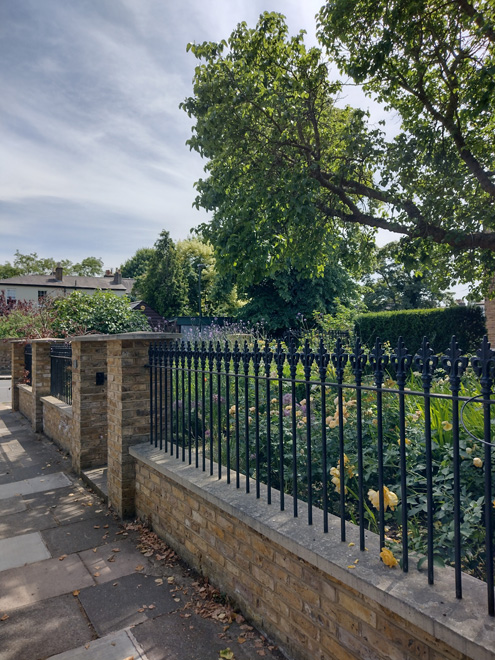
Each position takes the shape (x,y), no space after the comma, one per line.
(393,286)
(163,285)
(31,264)
(218,294)
(289,300)
(137,265)
(290,175)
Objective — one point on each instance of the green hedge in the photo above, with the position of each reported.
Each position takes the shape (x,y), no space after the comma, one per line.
(466,323)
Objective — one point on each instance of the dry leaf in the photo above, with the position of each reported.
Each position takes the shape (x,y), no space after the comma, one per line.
(177,600)
(171,580)
(129,657)
(4,617)
(62,557)
(106,527)
(94,549)
(351,566)
(159,581)
(151,607)
(227,654)
(115,549)
(141,609)
(260,652)
(112,558)
(241,640)
(96,574)
(96,527)
(139,568)
(76,592)
(86,646)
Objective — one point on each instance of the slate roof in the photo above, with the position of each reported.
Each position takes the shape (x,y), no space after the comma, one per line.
(69,282)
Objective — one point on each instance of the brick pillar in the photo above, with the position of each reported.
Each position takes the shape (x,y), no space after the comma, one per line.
(490,320)
(89,402)
(17,371)
(40,380)
(128,412)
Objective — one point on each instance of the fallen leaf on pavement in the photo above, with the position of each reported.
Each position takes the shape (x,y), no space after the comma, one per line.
(115,549)
(241,640)
(139,568)
(96,574)
(62,557)
(96,527)
(76,592)
(227,654)
(4,617)
(151,607)
(159,581)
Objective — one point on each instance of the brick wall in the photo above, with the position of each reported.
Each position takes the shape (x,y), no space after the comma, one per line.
(25,398)
(303,594)
(490,320)
(5,358)
(57,421)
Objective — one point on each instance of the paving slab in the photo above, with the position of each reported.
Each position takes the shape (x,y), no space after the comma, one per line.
(43,629)
(116,646)
(12,505)
(106,564)
(21,550)
(46,579)
(24,522)
(126,602)
(174,637)
(82,535)
(34,485)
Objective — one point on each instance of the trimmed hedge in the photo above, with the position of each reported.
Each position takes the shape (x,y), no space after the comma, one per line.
(438,325)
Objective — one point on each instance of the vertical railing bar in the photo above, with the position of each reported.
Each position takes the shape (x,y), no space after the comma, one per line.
(227,357)
(358,362)
(246,356)
(167,393)
(189,403)
(219,409)
(203,405)
(150,364)
(279,360)
(256,363)
(160,369)
(210,378)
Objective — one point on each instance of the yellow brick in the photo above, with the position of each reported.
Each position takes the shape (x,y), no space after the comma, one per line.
(357,609)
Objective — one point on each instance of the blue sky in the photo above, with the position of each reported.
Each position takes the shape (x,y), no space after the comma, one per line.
(93,159)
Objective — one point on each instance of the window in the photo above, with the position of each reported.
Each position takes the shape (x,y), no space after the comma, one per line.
(11,295)
(41,296)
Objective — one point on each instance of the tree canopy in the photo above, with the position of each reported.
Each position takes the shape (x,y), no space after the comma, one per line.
(31,264)
(291,176)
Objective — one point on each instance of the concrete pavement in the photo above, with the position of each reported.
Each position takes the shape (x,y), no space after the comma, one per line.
(75,584)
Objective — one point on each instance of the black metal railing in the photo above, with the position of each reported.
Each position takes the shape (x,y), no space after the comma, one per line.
(396,443)
(61,372)
(28,363)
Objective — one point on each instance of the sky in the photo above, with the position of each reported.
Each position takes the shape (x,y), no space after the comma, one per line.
(93,160)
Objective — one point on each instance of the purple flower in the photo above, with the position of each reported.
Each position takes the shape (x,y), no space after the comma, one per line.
(287,399)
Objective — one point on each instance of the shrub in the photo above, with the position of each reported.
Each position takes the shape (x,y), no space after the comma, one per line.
(467,323)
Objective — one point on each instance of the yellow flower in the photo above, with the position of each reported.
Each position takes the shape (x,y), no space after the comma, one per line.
(303,402)
(252,409)
(298,413)
(390,499)
(232,410)
(447,426)
(274,401)
(388,558)
(374,422)
(477,462)
(408,442)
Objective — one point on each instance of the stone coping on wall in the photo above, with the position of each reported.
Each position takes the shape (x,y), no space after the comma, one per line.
(462,624)
(25,388)
(63,407)
(129,336)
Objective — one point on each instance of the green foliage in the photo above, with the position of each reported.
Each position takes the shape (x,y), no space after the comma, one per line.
(292,178)
(433,64)
(31,264)
(103,312)
(276,144)
(137,265)
(163,284)
(290,300)
(467,323)
(218,294)
(394,286)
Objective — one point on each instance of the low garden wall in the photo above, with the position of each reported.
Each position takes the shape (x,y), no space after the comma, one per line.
(313,595)
(57,422)
(26,401)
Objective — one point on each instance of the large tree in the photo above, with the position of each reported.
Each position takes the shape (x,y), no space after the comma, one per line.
(290,175)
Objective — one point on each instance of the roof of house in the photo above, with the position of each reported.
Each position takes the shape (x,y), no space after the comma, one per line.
(106,283)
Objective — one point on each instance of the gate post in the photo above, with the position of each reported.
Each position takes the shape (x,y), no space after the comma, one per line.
(18,368)
(128,412)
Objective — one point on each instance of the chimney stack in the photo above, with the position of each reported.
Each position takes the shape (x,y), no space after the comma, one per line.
(117,279)
(59,272)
